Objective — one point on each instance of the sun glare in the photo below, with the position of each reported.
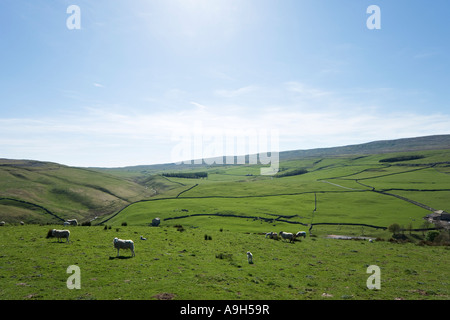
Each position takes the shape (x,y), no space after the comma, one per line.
(202,19)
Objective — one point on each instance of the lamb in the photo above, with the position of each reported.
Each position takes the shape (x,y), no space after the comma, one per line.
(249,257)
(287,236)
(59,234)
(123,244)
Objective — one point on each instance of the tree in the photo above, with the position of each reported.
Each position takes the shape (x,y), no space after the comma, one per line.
(410,227)
(394,228)
(425,225)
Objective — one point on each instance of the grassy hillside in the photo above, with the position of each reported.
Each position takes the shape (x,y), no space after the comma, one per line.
(42,192)
(339,190)
(339,187)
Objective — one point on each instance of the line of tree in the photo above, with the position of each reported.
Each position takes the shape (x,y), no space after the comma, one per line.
(402,158)
(186,175)
(293,172)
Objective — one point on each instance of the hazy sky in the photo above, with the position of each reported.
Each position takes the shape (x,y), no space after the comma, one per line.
(140,76)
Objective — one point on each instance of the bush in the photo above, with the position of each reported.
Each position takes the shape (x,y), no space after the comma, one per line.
(124,224)
(431,235)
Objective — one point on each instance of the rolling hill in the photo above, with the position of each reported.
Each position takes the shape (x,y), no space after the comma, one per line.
(435,142)
(45,192)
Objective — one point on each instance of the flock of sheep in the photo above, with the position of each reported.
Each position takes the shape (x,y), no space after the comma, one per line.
(65,234)
(283,235)
(286,235)
(129,244)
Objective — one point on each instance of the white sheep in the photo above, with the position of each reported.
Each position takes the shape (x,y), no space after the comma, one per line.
(59,234)
(123,244)
(72,222)
(272,235)
(2,223)
(300,234)
(287,236)
(249,257)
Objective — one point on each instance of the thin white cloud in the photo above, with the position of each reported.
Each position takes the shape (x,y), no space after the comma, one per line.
(198,105)
(306,90)
(426,54)
(237,92)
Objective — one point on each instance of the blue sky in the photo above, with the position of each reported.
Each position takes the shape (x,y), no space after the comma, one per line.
(138,75)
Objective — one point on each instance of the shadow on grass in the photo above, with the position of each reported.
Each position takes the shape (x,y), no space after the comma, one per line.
(120,257)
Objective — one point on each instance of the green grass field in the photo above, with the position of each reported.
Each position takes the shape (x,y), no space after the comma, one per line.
(185,266)
(235,207)
(335,190)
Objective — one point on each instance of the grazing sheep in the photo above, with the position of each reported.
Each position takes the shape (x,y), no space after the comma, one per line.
(123,244)
(59,234)
(142,238)
(2,223)
(272,235)
(287,236)
(249,257)
(300,234)
(72,222)
(156,222)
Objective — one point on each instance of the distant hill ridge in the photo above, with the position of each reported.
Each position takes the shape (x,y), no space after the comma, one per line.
(433,142)
(383,146)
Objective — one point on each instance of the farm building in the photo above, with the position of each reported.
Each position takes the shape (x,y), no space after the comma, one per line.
(439,217)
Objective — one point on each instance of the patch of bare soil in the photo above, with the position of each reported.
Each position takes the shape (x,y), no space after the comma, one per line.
(164,296)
